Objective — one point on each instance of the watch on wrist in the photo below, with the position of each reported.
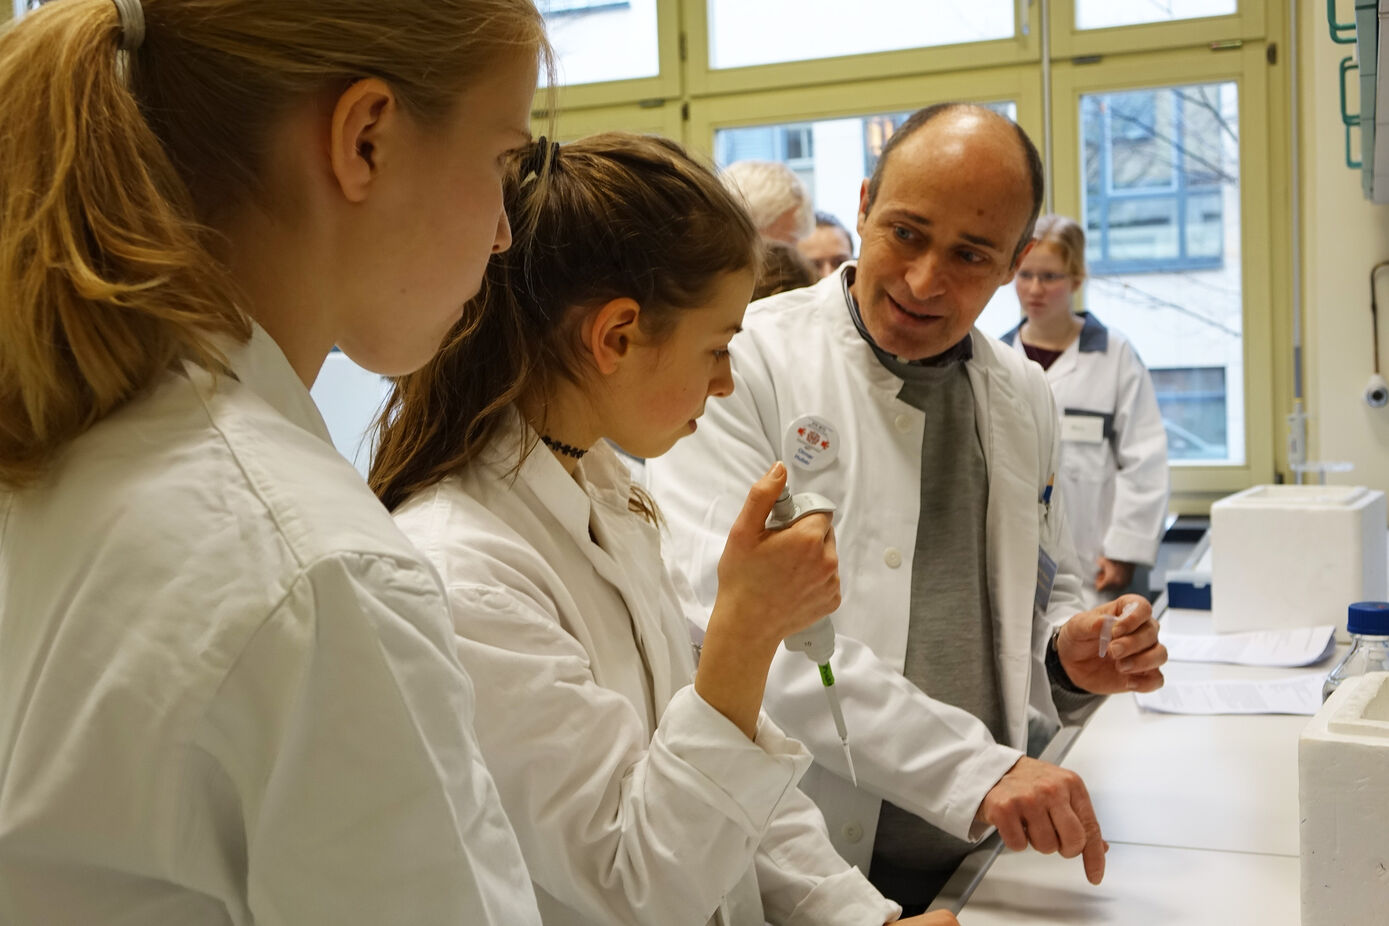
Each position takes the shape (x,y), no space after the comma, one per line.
(1056,671)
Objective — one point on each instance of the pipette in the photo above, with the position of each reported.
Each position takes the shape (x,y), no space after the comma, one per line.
(817,640)
(1107,627)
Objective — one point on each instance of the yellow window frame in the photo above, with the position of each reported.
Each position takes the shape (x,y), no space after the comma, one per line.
(836,101)
(1248,23)
(703,80)
(1194,486)
(666,85)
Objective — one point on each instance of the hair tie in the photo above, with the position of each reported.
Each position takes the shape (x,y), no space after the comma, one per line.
(539,159)
(132,20)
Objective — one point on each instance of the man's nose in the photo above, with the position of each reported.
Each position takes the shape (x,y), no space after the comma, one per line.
(926,276)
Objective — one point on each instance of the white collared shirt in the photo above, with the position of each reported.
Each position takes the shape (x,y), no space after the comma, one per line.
(634,800)
(228,692)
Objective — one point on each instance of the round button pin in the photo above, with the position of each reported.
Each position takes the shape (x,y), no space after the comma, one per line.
(810,443)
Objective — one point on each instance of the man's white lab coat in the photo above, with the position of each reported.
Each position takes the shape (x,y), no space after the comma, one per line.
(228,689)
(800,361)
(1114,474)
(634,800)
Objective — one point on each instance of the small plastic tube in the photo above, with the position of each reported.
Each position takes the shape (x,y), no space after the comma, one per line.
(1107,628)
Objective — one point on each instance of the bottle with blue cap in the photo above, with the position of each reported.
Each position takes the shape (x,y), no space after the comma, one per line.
(1368,624)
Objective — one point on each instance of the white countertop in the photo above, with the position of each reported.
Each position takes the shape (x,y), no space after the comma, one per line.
(1201,814)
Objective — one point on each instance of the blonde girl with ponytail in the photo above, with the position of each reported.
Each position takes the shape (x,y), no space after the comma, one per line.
(228,689)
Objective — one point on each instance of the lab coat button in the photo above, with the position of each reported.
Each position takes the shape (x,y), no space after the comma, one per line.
(893,557)
(903,423)
(853,832)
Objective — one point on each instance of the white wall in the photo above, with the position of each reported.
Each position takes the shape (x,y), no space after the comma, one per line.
(1343,236)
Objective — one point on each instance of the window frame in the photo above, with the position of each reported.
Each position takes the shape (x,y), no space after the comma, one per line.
(569,124)
(702,80)
(811,104)
(1248,22)
(664,86)
(1195,484)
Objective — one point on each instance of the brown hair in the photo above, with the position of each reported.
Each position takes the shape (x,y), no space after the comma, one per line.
(114,167)
(783,268)
(921,117)
(613,216)
(1065,236)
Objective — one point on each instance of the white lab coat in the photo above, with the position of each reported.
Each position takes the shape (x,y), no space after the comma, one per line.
(634,800)
(800,354)
(228,692)
(1114,474)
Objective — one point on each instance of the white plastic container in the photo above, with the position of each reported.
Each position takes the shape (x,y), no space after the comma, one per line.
(1295,556)
(1343,780)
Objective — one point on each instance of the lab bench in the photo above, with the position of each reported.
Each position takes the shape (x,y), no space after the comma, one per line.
(1200,813)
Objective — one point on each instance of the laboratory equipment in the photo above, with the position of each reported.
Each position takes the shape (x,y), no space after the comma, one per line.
(1377,392)
(1368,623)
(1291,556)
(1343,775)
(1107,626)
(817,640)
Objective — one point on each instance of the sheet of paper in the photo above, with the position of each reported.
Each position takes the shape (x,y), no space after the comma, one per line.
(1297,646)
(1299,694)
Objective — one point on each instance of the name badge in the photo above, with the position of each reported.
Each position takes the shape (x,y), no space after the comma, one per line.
(1046,578)
(810,443)
(1083,429)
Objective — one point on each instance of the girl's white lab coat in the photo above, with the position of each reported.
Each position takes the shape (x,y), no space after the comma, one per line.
(634,800)
(801,357)
(1114,476)
(228,691)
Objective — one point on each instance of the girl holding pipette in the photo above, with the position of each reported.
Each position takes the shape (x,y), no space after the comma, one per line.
(637,796)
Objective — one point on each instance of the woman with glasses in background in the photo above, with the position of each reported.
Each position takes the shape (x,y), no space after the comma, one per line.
(1113,478)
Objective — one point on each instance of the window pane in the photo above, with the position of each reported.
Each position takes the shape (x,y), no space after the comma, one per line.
(832,156)
(1102,14)
(585,34)
(750,32)
(1161,216)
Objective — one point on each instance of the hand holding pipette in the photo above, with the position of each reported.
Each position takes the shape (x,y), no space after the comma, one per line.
(816,641)
(772,584)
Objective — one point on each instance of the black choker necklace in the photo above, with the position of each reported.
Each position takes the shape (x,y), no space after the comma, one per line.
(562,447)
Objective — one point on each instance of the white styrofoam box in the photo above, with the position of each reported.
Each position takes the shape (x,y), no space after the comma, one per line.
(1296,556)
(1343,780)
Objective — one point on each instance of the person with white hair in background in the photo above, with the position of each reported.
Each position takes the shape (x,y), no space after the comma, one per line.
(775,197)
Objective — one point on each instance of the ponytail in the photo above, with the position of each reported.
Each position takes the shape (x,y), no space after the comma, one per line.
(106,282)
(610,216)
(114,168)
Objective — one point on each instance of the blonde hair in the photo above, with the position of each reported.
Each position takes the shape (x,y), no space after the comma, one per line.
(114,167)
(1065,236)
(769,189)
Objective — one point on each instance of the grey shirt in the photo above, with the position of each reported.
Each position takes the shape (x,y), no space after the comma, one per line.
(950,639)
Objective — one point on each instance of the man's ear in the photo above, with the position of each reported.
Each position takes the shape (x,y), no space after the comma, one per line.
(363,116)
(611,332)
(862,207)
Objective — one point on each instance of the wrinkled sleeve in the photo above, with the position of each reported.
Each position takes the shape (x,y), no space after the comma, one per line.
(343,744)
(804,882)
(623,829)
